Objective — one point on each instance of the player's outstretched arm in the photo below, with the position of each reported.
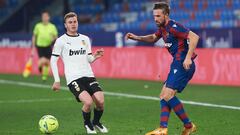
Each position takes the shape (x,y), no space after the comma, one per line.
(98,54)
(33,44)
(147,38)
(193,40)
(56,84)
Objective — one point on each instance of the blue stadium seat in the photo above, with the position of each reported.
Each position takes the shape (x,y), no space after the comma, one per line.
(12,3)
(190,14)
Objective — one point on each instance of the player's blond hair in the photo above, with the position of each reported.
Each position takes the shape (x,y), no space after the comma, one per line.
(69,15)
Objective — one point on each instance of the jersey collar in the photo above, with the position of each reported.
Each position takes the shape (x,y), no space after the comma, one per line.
(72,35)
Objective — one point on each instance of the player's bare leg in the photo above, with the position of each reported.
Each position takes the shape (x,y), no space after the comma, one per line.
(87,101)
(40,64)
(98,98)
(43,66)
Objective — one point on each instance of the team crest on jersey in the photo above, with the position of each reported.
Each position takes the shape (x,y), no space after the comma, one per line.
(83,42)
(168,45)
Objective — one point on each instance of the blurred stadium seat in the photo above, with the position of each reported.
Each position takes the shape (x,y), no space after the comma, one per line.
(194,14)
(124,15)
(6,7)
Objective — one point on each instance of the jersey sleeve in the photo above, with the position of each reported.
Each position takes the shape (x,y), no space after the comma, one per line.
(179,31)
(158,33)
(57,49)
(55,32)
(35,29)
(89,46)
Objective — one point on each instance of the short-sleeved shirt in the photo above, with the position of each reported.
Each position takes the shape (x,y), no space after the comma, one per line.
(74,51)
(44,34)
(175,37)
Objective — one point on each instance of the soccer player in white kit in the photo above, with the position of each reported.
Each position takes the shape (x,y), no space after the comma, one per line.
(75,51)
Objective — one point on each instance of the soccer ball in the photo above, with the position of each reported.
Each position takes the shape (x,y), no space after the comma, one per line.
(48,124)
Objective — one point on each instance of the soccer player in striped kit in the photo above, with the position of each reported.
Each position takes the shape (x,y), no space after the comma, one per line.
(181,43)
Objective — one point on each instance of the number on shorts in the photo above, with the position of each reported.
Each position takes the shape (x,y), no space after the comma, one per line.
(76,86)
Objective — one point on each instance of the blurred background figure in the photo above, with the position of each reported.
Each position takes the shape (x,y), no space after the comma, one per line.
(44,35)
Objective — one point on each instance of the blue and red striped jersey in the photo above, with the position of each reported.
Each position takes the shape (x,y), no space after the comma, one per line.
(175,37)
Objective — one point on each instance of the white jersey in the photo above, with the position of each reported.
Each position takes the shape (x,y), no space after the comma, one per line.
(74,51)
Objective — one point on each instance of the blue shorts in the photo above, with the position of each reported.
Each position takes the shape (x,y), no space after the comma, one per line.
(178,77)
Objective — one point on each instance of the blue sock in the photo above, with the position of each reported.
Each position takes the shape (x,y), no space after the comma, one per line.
(165,112)
(177,106)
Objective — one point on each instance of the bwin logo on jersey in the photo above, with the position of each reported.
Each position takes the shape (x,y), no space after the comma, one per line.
(77,52)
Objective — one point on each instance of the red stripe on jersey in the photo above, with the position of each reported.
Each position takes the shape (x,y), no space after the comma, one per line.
(158,33)
(181,48)
(179,34)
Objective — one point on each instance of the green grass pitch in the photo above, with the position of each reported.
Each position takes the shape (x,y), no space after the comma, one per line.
(21,107)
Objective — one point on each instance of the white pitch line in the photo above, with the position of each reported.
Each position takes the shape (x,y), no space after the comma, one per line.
(35,100)
(120,94)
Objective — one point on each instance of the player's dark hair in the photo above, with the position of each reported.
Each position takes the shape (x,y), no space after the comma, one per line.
(163,6)
(69,15)
(45,11)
